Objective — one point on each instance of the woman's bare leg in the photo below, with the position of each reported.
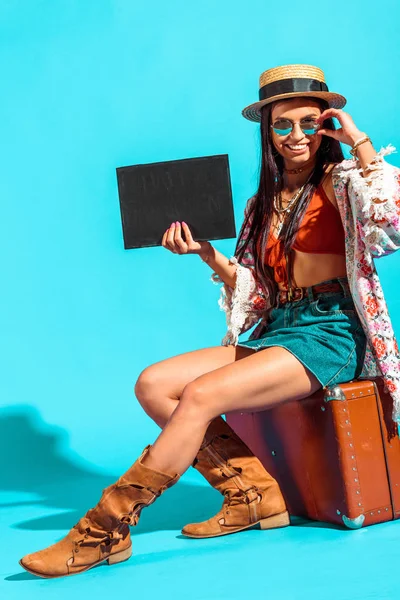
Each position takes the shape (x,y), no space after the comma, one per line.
(256,382)
(160,386)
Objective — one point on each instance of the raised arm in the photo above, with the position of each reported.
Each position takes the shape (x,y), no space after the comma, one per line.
(373,186)
(378,196)
(374,194)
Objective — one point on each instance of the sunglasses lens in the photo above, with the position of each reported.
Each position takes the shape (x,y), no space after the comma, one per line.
(309,127)
(282,127)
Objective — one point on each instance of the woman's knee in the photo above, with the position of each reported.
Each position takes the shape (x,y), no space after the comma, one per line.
(152,393)
(196,399)
(146,385)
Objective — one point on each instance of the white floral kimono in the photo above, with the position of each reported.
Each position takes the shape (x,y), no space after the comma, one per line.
(370,210)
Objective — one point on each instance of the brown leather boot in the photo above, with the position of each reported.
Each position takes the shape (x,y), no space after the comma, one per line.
(103,533)
(252,496)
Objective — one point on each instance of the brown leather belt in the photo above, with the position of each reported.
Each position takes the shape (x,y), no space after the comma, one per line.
(299,293)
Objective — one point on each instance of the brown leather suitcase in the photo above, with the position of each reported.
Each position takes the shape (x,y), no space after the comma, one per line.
(335,454)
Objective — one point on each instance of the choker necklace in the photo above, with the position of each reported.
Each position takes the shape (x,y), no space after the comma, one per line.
(295,171)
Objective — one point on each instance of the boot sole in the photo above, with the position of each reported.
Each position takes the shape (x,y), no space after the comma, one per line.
(274,522)
(112,560)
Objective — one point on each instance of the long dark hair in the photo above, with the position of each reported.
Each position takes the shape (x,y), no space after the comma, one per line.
(270,183)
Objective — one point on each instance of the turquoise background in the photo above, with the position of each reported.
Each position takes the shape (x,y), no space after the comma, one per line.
(87,87)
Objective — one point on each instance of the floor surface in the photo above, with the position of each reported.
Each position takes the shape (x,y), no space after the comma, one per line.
(308,560)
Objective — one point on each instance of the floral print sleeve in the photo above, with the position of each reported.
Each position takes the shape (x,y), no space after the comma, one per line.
(247,302)
(377,204)
(370,211)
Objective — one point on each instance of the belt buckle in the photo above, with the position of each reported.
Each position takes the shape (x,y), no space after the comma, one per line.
(291,295)
(302,293)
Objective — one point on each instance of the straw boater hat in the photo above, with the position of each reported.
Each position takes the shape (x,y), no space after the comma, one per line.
(291,81)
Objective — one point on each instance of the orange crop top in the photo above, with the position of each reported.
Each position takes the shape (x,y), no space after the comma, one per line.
(320,232)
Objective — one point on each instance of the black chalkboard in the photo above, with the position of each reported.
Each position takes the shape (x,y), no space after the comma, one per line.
(195,190)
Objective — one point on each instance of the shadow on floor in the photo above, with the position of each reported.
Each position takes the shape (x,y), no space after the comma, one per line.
(303,522)
(34,459)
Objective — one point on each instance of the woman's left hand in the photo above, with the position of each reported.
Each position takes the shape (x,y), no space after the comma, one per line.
(347,134)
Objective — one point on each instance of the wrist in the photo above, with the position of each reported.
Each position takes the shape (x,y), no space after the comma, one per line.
(356,135)
(356,146)
(205,254)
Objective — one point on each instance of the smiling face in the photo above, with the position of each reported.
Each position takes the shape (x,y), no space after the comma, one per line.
(296,147)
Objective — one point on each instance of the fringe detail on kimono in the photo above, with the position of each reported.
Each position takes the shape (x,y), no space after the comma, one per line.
(240,313)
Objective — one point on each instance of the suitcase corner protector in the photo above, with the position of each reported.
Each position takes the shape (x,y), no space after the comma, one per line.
(355,523)
(334,393)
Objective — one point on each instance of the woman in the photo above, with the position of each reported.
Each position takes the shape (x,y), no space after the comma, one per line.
(313,334)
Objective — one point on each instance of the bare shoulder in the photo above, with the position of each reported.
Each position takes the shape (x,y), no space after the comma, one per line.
(327,184)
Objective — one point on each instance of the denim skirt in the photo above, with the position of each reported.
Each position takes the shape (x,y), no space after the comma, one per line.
(324,333)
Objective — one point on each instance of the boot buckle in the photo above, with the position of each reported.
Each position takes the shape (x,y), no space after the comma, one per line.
(251,495)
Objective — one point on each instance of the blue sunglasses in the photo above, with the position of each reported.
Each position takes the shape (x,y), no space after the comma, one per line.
(285,126)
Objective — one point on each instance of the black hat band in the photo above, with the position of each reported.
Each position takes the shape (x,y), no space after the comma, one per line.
(296,84)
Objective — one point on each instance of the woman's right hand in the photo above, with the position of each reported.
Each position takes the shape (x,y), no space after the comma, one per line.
(172,240)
